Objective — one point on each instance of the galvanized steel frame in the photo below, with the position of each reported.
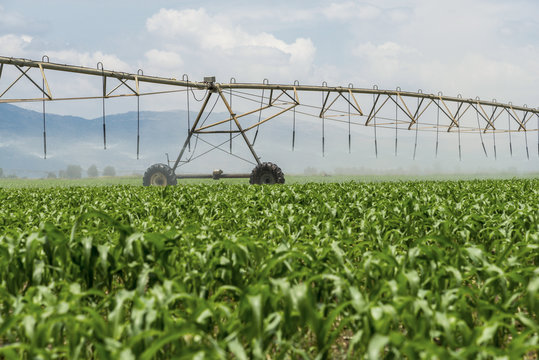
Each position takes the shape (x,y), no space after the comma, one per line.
(290,93)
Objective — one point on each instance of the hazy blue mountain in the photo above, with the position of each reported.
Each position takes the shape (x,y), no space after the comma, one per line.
(22,122)
(76,140)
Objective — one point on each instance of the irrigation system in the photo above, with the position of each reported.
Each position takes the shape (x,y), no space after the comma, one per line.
(350,106)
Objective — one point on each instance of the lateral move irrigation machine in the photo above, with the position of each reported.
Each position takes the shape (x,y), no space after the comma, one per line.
(349,106)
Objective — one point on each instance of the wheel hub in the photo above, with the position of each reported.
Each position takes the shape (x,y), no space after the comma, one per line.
(267,178)
(158,179)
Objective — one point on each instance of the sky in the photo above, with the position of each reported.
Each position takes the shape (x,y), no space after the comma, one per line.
(485,48)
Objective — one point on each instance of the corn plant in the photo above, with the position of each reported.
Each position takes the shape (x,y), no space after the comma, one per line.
(349,270)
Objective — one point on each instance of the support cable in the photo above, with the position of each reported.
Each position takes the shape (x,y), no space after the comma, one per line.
(494,141)
(215,147)
(458,130)
(44,130)
(396,117)
(524,128)
(509,132)
(323,123)
(232,81)
(104,96)
(265,81)
(230,126)
(438,123)
(493,130)
(185,77)
(480,132)
(138,126)
(349,121)
(460,147)
(300,112)
(296,83)
(44,122)
(196,135)
(248,97)
(525,132)
(427,126)
(526,140)
(139,72)
(194,96)
(417,123)
(375,87)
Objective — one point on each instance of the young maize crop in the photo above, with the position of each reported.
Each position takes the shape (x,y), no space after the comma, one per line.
(351,270)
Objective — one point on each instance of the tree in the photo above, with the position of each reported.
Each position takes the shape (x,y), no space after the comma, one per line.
(92,171)
(51,175)
(109,171)
(73,172)
(310,171)
(1,173)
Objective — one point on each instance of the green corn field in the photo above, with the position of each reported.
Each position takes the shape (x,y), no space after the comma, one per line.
(416,270)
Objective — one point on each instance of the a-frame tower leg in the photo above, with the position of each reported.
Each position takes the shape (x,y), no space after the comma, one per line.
(233,116)
(192,131)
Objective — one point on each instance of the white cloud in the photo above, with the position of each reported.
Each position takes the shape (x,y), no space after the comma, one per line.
(485,48)
(67,84)
(351,10)
(399,14)
(10,20)
(481,75)
(388,61)
(488,52)
(387,50)
(223,43)
(109,61)
(392,64)
(212,32)
(158,61)
(14,45)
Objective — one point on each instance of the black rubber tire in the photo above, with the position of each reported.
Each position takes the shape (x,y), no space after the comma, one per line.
(267,173)
(159,175)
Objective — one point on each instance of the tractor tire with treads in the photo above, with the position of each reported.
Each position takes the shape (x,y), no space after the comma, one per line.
(159,175)
(267,173)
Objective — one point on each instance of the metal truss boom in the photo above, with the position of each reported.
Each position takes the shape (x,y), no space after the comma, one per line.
(283,98)
(247,86)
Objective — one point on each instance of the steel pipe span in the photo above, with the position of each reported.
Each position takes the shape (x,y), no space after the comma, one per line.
(45,65)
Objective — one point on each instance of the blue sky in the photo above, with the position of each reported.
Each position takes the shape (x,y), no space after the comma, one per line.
(477,48)
(485,48)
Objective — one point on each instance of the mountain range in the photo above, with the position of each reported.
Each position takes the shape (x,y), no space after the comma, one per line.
(77,140)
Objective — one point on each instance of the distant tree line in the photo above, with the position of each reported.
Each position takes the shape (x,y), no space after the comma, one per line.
(71,172)
(75,172)
(109,171)
(10,176)
(92,171)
